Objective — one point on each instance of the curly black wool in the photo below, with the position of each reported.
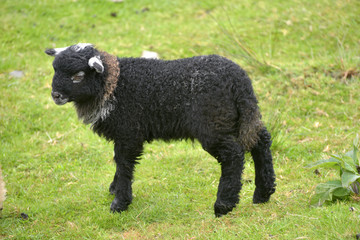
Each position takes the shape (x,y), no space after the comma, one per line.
(130,101)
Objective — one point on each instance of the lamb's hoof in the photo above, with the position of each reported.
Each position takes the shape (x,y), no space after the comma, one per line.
(222,208)
(118,206)
(261,197)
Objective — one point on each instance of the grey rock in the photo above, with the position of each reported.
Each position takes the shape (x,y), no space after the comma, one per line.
(17,74)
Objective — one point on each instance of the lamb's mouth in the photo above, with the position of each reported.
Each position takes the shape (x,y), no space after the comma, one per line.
(58,98)
(60,101)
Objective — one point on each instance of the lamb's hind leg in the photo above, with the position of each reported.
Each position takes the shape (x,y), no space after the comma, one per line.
(230,155)
(264,171)
(112,187)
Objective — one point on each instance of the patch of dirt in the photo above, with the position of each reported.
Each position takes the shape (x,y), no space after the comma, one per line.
(344,75)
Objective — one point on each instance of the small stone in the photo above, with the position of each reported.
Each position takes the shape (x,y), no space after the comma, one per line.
(145,9)
(24,216)
(149,54)
(17,74)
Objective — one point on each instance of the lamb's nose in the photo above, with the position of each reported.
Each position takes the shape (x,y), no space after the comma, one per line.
(56,95)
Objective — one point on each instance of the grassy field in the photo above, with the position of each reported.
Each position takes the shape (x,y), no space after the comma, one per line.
(303,58)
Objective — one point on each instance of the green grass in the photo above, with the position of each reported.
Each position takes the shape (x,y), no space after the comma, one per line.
(58,172)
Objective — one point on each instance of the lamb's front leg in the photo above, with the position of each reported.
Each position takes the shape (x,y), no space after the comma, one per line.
(125,159)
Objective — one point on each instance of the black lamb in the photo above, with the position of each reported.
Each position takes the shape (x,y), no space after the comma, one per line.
(130,101)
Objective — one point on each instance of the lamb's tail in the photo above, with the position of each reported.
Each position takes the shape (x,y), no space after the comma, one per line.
(249,121)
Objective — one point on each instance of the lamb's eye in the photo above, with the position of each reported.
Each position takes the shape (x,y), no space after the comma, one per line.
(78,77)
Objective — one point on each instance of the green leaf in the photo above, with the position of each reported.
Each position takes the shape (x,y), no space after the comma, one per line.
(341,192)
(317,200)
(353,156)
(347,163)
(330,163)
(354,153)
(356,145)
(324,192)
(348,178)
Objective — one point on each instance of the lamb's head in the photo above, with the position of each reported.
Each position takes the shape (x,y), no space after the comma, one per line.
(77,70)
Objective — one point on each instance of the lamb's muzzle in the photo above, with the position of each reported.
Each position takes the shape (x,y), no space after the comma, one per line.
(58,98)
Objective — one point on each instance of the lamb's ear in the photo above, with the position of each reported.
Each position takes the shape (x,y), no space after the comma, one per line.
(50,52)
(54,51)
(97,64)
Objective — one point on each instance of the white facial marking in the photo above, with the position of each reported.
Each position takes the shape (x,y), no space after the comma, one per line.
(77,47)
(78,77)
(59,50)
(80,46)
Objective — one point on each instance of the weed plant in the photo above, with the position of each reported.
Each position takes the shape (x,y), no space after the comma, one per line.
(348,185)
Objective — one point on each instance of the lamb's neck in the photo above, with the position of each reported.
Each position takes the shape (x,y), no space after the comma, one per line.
(112,71)
(100,108)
